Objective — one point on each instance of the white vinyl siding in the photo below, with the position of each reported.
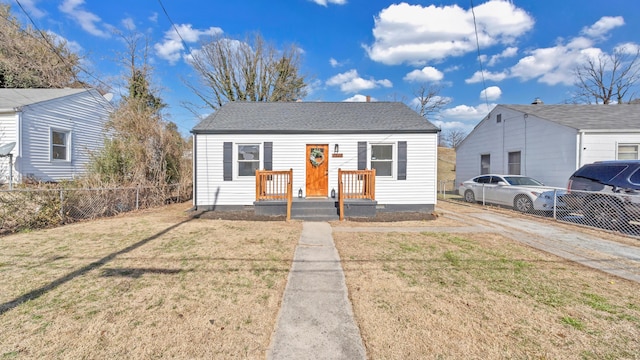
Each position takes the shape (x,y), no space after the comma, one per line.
(538,141)
(289,152)
(82,116)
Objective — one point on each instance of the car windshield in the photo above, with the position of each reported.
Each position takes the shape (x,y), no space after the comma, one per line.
(522,180)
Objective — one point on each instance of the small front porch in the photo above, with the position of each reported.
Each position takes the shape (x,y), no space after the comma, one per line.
(355,197)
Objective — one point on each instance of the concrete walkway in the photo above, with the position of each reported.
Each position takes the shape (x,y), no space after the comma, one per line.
(316,320)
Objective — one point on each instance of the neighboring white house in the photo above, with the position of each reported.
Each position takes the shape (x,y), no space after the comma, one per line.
(54,131)
(548,142)
(241,137)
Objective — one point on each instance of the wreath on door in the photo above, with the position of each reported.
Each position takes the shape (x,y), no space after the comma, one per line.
(316,157)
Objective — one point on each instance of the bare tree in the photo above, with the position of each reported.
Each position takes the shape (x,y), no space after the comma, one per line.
(249,70)
(429,100)
(142,147)
(34,59)
(452,137)
(608,78)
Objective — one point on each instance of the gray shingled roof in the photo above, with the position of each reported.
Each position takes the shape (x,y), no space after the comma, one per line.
(586,117)
(14,98)
(314,117)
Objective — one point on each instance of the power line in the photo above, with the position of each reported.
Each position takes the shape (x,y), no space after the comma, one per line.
(175,28)
(62,59)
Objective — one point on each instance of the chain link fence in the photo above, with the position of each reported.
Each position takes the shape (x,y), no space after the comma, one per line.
(39,208)
(618,211)
(447,189)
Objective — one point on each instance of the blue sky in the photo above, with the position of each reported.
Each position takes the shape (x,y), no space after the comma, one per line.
(354,48)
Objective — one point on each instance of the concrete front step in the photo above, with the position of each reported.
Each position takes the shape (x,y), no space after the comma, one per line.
(314,210)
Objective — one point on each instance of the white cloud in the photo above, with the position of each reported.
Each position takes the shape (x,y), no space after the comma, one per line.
(32,9)
(326,2)
(492,93)
(171,47)
(90,22)
(415,34)
(506,53)
(415,102)
(427,74)
(128,23)
(351,82)
(334,62)
(154,17)
(73,46)
(359,98)
(603,26)
(466,112)
(488,76)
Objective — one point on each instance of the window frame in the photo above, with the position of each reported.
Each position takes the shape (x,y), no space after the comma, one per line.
(636,153)
(238,161)
(67,145)
(391,161)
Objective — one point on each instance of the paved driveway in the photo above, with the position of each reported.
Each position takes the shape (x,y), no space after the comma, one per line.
(602,250)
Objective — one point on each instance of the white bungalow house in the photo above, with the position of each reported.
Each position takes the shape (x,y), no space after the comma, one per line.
(52,130)
(315,140)
(548,142)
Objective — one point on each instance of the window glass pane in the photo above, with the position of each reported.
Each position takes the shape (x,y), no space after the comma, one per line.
(635,177)
(58,138)
(383,168)
(627,152)
(248,168)
(485,164)
(381,152)
(248,152)
(600,173)
(58,145)
(514,163)
(59,152)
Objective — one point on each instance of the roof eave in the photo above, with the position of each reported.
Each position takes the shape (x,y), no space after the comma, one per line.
(221,132)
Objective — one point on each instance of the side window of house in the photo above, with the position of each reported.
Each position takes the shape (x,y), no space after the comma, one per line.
(514,163)
(59,145)
(248,159)
(485,164)
(627,152)
(382,159)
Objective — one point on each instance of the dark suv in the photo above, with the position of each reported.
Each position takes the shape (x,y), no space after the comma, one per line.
(607,192)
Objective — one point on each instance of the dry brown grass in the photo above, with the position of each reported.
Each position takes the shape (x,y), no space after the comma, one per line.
(446,163)
(150,285)
(482,296)
(157,285)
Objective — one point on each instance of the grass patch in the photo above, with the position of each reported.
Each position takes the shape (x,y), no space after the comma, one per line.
(480,295)
(151,284)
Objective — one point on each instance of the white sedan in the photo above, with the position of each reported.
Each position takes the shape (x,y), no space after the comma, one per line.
(525,194)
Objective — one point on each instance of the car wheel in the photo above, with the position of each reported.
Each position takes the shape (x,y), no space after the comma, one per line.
(523,204)
(605,214)
(469,196)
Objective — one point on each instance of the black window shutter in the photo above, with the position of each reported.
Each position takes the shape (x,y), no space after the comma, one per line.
(402,160)
(362,155)
(268,155)
(227,156)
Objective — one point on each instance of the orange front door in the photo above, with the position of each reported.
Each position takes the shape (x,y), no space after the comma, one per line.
(317,159)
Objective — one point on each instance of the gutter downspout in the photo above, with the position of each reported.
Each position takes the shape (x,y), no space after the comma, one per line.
(580,149)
